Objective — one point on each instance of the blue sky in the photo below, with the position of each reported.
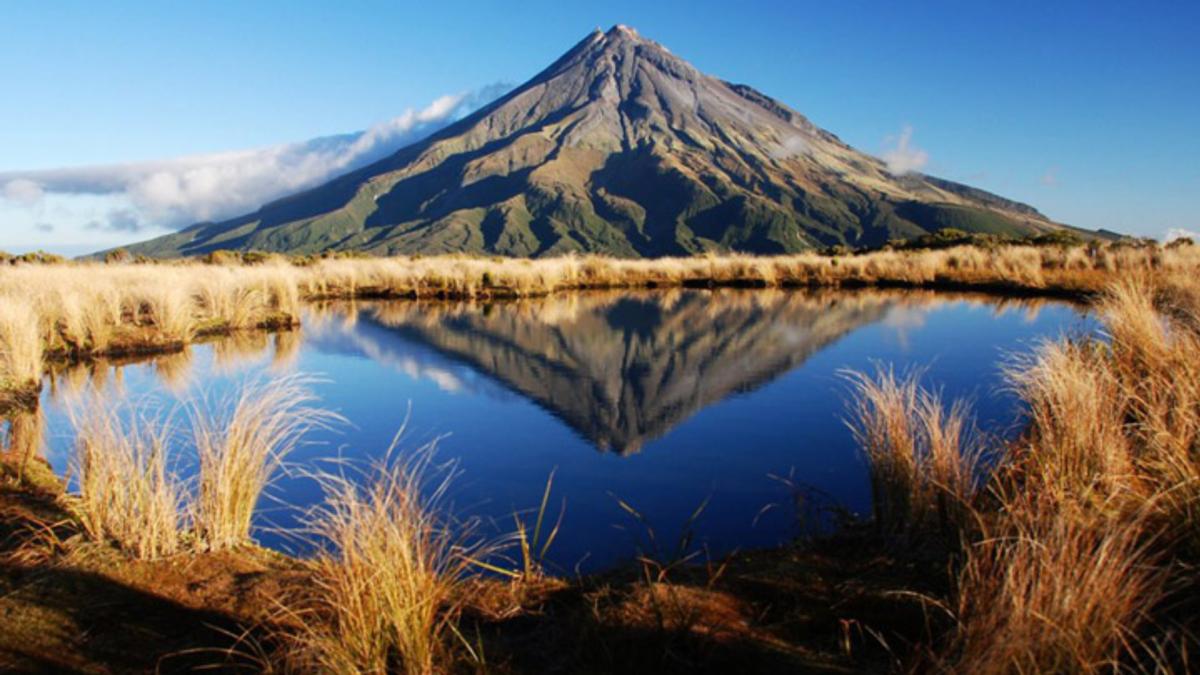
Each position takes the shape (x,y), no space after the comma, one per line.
(1086,110)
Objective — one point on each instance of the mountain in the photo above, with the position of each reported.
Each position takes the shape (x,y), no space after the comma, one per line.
(619,147)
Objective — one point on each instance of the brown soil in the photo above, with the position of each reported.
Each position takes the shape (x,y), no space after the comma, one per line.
(68,605)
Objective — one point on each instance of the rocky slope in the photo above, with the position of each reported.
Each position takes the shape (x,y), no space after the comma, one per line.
(619,147)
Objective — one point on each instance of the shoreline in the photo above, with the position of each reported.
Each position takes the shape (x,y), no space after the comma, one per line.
(78,311)
(15,398)
(990,287)
(26,397)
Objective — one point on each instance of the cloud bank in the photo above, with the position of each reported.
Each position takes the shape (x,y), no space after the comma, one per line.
(1180,233)
(176,192)
(902,156)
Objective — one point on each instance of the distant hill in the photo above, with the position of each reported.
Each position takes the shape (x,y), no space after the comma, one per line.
(619,147)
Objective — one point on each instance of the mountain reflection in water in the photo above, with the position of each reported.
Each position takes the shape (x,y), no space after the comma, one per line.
(619,368)
(718,390)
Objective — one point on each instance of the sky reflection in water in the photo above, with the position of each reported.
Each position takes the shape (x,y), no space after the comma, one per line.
(660,399)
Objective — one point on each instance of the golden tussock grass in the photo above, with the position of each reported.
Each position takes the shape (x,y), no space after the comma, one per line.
(1115,421)
(20,345)
(1050,592)
(390,579)
(88,308)
(921,453)
(1063,384)
(242,443)
(82,309)
(1090,521)
(1069,270)
(127,493)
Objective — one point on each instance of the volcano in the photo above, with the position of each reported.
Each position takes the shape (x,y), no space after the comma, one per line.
(620,148)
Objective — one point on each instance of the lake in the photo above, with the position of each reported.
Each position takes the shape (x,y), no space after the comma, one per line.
(664,400)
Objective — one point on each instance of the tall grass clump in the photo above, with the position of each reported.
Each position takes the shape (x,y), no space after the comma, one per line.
(127,493)
(921,454)
(1076,447)
(282,289)
(242,443)
(225,298)
(1155,356)
(20,344)
(388,579)
(1058,566)
(170,310)
(1115,422)
(1088,540)
(86,309)
(1043,590)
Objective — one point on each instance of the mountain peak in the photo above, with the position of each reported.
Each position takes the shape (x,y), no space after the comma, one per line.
(617,33)
(621,30)
(618,147)
(616,39)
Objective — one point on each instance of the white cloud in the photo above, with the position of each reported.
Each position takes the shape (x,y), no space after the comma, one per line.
(790,147)
(902,156)
(1180,233)
(1050,178)
(176,192)
(23,191)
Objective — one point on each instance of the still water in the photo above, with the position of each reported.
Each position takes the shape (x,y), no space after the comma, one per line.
(663,400)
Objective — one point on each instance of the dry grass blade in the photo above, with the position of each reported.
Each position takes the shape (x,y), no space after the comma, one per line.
(883,425)
(1055,593)
(127,494)
(388,579)
(20,344)
(1095,513)
(242,443)
(922,457)
(532,545)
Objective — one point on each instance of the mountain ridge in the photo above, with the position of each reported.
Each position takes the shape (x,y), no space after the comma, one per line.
(622,148)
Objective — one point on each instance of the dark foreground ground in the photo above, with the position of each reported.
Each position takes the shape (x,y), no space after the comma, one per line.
(839,604)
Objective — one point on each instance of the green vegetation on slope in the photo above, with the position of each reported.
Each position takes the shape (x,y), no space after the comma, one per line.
(623,149)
